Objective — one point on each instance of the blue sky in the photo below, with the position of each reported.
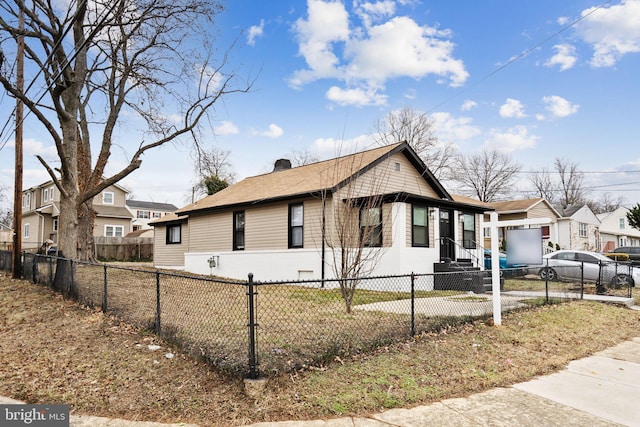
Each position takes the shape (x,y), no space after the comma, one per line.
(537,79)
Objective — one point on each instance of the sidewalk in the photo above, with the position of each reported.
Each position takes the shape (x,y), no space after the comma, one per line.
(600,390)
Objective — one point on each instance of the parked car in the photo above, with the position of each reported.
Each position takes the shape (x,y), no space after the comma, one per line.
(590,266)
(514,269)
(632,251)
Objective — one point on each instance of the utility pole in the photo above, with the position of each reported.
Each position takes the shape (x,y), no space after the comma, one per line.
(17,193)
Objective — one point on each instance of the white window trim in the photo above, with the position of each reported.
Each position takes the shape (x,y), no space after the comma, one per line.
(26,200)
(55,225)
(25,230)
(113,197)
(114,227)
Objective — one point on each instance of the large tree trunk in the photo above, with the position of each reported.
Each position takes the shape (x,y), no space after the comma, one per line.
(86,220)
(68,236)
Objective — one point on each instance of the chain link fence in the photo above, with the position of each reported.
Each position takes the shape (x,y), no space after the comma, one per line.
(257,328)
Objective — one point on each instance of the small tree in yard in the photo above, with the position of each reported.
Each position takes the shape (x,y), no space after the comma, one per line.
(354,232)
(633,216)
(103,61)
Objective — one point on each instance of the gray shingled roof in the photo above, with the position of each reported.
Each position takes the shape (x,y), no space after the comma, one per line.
(140,204)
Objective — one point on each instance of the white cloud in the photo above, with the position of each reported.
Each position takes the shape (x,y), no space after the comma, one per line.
(512,108)
(273,132)
(514,139)
(402,48)
(32,147)
(451,129)
(468,105)
(565,57)
(330,147)
(226,128)
(563,20)
(255,31)
(327,23)
(612,31)
(382,48)
(374,12)
(356,97)
(558,106)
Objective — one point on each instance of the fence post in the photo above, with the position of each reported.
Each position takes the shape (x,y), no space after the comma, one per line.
(599,285)
(253,354)
(546,284)
(158,328)
(413,304)
(582,280)
(104,291)
(34,269)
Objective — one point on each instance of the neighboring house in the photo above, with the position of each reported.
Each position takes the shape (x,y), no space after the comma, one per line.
(579,229)
(615,230)
(143,212)
(527,209)
(41,211)
(6,237)
(284,224)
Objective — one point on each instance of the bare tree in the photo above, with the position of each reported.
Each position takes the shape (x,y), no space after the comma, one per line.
(488,176)
(6,214)
(571,183)
(97,60)
(545,186)
(213,168)
(355,214)
(301,158)
(417,130)
(606,203)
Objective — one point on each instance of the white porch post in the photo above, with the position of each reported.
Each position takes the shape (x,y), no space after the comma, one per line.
(495,269)
(399,225)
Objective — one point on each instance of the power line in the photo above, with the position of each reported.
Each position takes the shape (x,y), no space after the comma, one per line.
(523,54)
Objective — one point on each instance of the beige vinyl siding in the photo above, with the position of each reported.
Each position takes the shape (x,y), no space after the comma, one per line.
(211,232)
(541,211)
(169,255)
(313,222)
(387,225)
(266,227)
(386,178)
(34,241)
(119,197)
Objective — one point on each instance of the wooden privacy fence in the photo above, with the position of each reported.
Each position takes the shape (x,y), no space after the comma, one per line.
(124,248)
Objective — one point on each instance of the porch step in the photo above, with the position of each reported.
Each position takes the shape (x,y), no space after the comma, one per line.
(462,278)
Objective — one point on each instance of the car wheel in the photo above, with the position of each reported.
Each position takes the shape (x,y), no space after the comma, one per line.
(621,281)
(548,274)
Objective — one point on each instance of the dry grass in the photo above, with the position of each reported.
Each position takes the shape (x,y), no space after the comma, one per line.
(54,351)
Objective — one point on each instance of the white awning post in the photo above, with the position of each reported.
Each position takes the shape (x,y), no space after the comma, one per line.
(495,269)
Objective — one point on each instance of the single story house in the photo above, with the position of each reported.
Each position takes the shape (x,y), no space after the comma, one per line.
(381,207)
(527,209)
